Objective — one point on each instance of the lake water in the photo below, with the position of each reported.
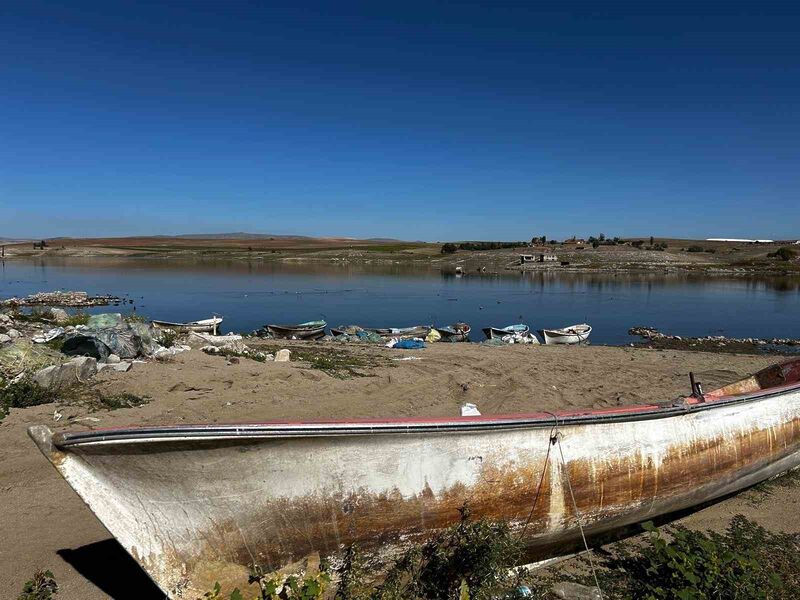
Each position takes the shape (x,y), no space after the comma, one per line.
(250,294)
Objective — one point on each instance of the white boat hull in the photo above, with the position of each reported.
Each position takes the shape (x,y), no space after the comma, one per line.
(202,326)
(575,334)
(195,505)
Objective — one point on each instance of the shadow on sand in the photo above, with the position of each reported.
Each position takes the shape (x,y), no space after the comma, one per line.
(110,568)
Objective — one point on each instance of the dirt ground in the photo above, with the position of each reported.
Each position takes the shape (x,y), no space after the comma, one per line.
(46,526)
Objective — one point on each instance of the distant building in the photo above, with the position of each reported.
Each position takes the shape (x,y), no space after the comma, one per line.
(542,258)
(739,240)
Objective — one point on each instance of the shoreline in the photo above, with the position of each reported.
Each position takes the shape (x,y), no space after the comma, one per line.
(720,259)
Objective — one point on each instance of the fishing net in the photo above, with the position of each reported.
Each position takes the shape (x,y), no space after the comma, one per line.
(24,357)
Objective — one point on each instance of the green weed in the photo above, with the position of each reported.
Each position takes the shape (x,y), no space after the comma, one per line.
(42,586)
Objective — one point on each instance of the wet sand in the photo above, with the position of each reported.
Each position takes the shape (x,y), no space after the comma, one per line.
(46,526)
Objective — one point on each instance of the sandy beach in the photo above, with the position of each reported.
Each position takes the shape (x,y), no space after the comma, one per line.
(46,526)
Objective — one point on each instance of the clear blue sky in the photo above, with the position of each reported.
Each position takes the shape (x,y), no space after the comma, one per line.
(411,120)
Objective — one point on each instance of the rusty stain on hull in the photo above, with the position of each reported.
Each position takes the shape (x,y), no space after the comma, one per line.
(189,510)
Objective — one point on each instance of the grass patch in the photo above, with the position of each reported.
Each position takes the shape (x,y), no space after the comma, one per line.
(23,394)
(122,400)
(56,344)
(79,318)
(337,363)
(746,562)
(26,393)
(136,318)
(41,315)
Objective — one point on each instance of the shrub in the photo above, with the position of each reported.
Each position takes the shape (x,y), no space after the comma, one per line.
(276,586)
(746,562)
(783,253)
(711,250)
(42,586)
(469,560)
(22,394)
(167,338)
(695,249)
(696,565)
(79,318)
(449,248)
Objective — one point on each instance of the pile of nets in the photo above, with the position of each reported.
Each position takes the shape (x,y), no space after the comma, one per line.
(107,334)
(354,333)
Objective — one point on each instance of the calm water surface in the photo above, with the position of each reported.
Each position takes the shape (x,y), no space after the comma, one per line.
(250,294)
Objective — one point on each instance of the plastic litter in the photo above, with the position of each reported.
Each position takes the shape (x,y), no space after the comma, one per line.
(48,336)
(413,344)
(470,410)
(433,336)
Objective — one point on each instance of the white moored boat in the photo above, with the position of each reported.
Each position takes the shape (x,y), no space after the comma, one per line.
(198,504)
(572,334)
(202,326)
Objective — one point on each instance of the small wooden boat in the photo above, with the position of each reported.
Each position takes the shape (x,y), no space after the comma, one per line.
(194,504)
(499,332)
(417,331)
(312,330)
(572,334)
(457,332)
(203,326)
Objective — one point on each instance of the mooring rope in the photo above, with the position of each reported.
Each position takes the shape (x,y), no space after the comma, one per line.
(577,514)
(541,478)
(553,439)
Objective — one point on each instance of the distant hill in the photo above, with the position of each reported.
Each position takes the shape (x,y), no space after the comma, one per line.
(239,235)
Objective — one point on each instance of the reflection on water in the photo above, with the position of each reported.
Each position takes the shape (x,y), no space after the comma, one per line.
(251,293)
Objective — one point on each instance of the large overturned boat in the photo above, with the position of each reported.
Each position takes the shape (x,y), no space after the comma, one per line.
(196,504)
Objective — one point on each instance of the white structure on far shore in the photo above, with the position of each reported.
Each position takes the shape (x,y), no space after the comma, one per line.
(739,240)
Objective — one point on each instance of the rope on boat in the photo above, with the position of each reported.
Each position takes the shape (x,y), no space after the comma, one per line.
(578,515)
(553,431)
(553,439)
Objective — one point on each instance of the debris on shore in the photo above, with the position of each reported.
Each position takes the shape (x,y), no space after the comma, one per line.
(57,298)
(712,343)
(58,357)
